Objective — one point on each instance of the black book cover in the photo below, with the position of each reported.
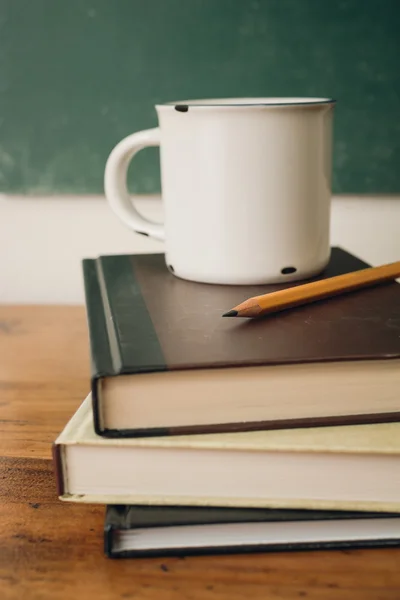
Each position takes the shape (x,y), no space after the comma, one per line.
(133,518)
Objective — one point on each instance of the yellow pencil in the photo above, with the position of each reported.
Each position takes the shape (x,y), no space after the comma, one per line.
(317,290)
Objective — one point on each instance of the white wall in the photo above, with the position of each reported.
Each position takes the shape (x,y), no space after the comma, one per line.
(43,240)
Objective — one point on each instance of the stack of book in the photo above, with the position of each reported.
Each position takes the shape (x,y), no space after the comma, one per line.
(209,435)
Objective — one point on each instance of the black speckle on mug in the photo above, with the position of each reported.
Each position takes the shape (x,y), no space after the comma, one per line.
(182,107)
(171,268)
(142,233)
(288,270)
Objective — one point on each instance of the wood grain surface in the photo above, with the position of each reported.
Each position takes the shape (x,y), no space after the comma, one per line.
(51,550)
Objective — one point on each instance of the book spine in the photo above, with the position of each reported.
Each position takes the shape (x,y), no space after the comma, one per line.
(108,541)
(58,469)
(102,363)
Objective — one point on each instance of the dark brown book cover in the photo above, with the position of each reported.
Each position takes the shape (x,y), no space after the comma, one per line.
(142,319)
(121,518)
(57,465)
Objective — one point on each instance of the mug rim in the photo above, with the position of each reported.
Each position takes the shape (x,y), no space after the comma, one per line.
(261,102)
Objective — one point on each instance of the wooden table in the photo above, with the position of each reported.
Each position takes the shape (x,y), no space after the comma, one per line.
(53,550)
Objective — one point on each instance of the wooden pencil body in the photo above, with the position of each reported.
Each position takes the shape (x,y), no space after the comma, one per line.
(318,290)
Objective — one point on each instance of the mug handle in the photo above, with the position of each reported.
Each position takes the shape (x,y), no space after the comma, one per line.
(115,185)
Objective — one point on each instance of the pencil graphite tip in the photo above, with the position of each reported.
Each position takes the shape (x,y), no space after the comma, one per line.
(231,313)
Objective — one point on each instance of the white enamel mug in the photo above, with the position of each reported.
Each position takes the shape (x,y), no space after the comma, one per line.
(246,188)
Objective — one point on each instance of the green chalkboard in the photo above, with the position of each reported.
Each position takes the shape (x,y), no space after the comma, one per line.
(78,75)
